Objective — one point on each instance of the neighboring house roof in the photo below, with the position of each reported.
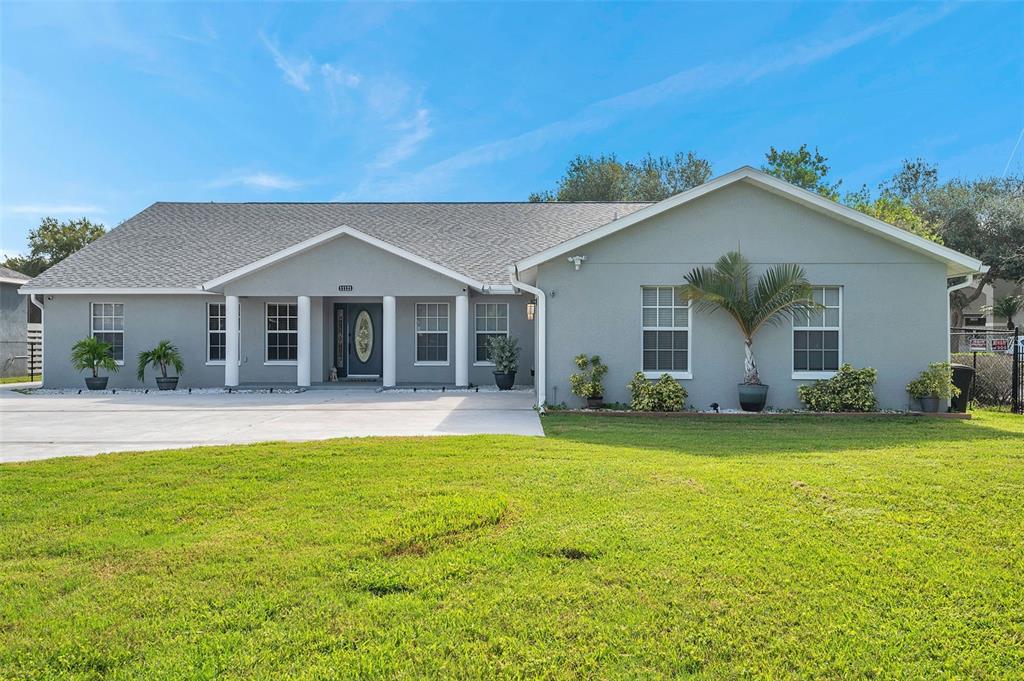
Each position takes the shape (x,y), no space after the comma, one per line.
(9,276)
(957,263)
(185,245)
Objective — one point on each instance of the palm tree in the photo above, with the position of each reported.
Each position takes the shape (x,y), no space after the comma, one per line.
(729,285)
(93,354)
(1007,307)
(163,355)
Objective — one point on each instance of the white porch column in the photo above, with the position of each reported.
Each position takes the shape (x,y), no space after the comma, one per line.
(232,338)
(461,341)
(302,369)
(388,371)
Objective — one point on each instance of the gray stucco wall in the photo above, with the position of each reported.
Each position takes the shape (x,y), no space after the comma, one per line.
(894,299)
(13,330)
(182,319)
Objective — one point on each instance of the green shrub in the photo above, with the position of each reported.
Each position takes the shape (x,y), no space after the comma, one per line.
(664,395)
(588,384)
(504,352)
(935,381)
(849,390)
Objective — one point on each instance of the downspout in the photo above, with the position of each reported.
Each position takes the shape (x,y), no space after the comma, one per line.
(540,384)
(949,313)
(42,320)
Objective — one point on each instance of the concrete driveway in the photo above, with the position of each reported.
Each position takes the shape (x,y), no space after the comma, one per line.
(45,426)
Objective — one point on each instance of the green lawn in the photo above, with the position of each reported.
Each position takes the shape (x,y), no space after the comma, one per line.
(615,547)
(20,379)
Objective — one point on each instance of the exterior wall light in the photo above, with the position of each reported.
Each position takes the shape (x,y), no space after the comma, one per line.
(531,309)
(577,260)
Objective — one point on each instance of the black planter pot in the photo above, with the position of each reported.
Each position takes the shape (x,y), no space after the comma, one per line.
(168,383)
(504,381)
(930,405)
(96,383)
(753,396)
(595,402)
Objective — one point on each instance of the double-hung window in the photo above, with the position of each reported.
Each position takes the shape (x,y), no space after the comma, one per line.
(216,332)
(107,325)
(665,320)
(491,320)
(282,332)
(432,333)
(817,335)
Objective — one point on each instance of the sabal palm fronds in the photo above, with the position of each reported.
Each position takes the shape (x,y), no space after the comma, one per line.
(730,285)
(1007,308)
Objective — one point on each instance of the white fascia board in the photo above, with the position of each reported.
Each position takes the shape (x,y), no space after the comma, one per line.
(99,291)
(343,230)
(957,263)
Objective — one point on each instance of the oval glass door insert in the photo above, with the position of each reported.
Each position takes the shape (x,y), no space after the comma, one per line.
(364,336)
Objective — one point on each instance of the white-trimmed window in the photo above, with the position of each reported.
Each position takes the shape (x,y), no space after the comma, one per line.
(665,318)
(817,335)
(491,320)
(282,333)
(432,334)
(216,336)
(107,325)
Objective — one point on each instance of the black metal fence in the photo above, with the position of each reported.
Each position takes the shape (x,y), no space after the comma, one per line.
(20,358)
(1017,375)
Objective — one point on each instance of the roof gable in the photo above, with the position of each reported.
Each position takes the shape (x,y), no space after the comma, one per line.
(957,263)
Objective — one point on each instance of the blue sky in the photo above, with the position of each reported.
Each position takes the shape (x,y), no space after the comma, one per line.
(108,108)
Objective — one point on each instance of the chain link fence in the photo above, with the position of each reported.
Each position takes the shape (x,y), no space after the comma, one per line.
(991,353)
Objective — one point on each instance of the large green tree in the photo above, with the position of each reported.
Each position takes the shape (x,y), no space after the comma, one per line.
(983,218)
(52,241)
(606,178)
(803,168)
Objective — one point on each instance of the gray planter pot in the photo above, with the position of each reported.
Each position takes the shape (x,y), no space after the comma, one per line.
(97,383)
(169,383)
(504,381)
(753,396)
(930,404)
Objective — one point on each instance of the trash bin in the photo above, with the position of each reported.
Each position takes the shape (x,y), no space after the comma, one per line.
(963,378)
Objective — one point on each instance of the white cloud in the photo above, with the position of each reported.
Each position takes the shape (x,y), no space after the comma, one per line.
(415,132)
(258,181)
(336,75)
(703,78)
(296,71)
(53,209)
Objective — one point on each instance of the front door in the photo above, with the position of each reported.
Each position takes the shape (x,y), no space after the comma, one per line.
(358,339)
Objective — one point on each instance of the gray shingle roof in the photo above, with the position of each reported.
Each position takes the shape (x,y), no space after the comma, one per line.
(8,273)
(171,245)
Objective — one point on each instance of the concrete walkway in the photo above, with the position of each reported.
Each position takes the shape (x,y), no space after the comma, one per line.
(46,426)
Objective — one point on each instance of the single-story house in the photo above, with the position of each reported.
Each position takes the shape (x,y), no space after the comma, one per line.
(407,293)
(14,318)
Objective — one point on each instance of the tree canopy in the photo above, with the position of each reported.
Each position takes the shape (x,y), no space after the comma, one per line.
(606,178)
(52,241)
(802,168)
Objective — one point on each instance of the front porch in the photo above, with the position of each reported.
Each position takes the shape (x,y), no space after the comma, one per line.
(368,342)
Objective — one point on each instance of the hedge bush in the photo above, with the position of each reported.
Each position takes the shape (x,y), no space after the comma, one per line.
(849,390)
(664,395)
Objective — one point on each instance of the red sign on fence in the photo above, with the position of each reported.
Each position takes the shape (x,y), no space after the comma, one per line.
(979,345)
(1000,344)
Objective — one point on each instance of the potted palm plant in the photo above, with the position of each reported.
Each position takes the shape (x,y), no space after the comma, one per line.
(730,286)
(504,352)
(588,384)
(93,354)
(1007,307)
(162,356)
